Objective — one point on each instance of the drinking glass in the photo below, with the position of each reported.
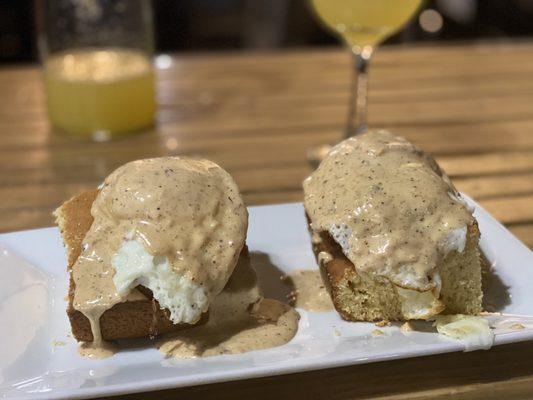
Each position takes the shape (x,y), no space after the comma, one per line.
(97,61)
(363,25)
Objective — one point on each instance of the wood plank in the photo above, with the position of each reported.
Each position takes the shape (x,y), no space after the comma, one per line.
(438,139)
(524,232)
(283,145)
(485,164)
(27,218)
(391,77)
(516,209)
(76,165)
(222,115)
(48,196)
(496,186)
(298,91)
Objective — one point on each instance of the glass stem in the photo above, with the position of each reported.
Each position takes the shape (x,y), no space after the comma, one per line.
(358,101)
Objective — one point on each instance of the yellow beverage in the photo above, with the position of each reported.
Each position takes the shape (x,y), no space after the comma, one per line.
(365,22)
(100,93)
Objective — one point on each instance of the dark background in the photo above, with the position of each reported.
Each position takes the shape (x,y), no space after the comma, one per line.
(195,25)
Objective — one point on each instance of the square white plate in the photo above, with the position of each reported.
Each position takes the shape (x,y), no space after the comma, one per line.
(39,359)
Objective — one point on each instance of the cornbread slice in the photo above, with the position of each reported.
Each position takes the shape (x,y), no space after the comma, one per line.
(360,297)
(140,315)
(394,238)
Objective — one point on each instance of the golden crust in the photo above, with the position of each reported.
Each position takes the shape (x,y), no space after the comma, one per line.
(334,271)
(74,220)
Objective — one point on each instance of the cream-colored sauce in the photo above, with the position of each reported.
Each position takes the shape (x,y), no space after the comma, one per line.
(96,350)
(309,291)
(188,211)
(240,320)
(324,257)
(388,205)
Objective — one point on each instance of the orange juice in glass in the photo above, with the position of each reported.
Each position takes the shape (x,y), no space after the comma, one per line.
(98,70)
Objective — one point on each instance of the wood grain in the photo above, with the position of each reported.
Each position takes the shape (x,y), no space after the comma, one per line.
(256,114)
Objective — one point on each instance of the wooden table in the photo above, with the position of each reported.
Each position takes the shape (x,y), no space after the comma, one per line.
(256,114)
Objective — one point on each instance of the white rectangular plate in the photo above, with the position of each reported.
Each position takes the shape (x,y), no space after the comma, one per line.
(39,359)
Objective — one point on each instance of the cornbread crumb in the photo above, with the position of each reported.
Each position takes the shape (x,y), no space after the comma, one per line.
(406,327)
(377,333)
(383,323)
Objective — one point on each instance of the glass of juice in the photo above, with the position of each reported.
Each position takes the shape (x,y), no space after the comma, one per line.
(363,25)
(97,61)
